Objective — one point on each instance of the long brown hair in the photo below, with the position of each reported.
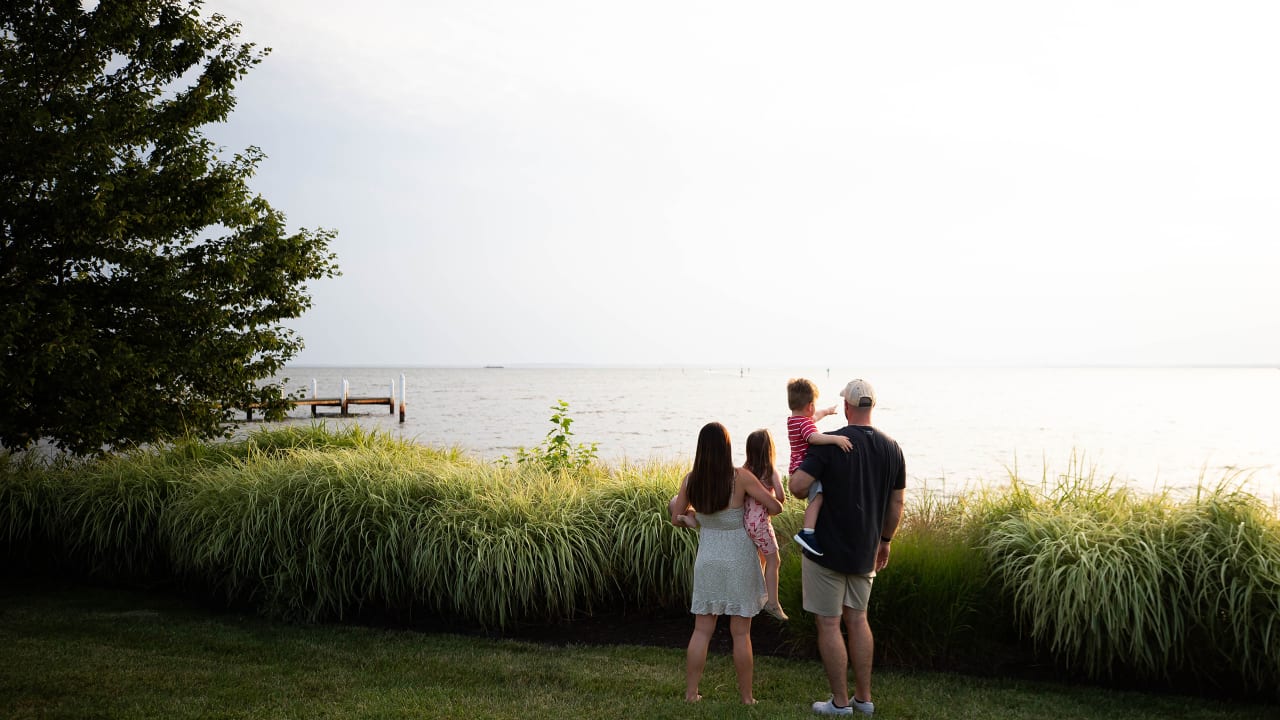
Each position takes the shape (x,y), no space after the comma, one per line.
(760,456)
(711,480)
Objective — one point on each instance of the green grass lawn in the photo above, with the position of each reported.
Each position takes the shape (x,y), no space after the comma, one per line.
(79,652)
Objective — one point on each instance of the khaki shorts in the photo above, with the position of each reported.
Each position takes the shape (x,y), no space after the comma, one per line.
(827,592)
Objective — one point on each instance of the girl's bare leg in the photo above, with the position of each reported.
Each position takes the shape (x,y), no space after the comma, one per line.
(771,578)
(769,565)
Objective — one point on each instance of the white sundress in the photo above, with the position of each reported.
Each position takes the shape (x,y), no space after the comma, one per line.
(726,575)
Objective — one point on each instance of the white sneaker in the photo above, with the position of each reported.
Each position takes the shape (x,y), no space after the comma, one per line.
(866,708)
(828,707)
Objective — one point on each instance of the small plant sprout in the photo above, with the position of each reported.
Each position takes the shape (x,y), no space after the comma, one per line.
(556,453)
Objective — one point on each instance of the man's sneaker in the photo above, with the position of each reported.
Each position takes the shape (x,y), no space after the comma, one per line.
(808,540)
(828,707)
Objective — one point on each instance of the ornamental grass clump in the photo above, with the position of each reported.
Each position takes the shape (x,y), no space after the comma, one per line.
(261,530)
(1094,584)
(321,533)
(96,517)
(651,561)
(526,545)
(1230,560)
(1117,584)
(313,524)
(26,501)
(107,521)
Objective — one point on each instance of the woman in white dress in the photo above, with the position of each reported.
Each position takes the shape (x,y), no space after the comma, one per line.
(726,575)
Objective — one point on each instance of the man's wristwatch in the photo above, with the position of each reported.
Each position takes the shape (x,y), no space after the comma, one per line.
(884,539)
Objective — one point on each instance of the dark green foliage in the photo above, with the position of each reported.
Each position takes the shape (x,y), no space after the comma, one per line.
(26,503)
(931,605)
(142,284)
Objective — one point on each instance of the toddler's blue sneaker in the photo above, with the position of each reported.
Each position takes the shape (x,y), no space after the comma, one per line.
(808,540)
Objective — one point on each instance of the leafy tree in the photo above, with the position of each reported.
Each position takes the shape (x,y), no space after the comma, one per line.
(142,284)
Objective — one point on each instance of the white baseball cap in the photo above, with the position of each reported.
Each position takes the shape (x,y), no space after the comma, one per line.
(859,393)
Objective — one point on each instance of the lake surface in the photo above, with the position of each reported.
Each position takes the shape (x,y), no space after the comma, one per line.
(1151,428)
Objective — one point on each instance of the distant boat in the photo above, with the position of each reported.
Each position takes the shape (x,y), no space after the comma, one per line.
(492,367)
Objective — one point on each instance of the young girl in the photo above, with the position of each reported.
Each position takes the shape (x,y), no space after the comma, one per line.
(760,461)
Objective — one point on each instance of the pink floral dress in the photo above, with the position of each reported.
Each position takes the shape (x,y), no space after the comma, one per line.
(756,519)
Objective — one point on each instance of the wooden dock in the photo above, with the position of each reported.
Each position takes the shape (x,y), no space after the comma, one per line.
(345,400)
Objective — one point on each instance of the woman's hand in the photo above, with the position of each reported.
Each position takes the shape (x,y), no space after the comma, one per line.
(679,504)
(757,490)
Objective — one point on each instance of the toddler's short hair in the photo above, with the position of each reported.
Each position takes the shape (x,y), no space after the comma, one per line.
(800,392)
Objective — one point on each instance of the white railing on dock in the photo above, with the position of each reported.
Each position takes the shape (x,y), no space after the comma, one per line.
(345,400)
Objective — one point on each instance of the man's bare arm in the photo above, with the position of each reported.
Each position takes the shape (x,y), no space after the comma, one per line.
(892,514)
(800,482)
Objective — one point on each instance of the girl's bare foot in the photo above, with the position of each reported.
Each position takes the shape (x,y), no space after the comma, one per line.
(775,609)
(696,698)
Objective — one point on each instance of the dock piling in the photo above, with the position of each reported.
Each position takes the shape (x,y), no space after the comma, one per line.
(402,391)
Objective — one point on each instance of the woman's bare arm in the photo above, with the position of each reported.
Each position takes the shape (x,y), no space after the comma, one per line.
(753,487)
(680,505)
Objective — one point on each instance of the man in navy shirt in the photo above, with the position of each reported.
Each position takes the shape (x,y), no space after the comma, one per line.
(860,513)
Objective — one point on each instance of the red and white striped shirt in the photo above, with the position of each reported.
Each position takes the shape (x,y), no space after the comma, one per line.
(799,428)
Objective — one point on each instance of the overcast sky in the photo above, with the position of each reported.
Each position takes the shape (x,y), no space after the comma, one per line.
(764,183)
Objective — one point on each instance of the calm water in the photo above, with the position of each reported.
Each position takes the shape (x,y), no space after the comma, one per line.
(1148,427)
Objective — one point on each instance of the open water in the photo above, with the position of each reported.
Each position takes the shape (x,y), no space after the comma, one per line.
(1152,428)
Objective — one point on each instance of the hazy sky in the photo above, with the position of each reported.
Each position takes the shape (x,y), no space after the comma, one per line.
(763,183)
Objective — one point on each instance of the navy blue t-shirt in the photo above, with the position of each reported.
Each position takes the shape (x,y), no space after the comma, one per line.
(855,486)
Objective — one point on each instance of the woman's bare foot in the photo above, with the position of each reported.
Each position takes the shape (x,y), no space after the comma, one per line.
(697,697)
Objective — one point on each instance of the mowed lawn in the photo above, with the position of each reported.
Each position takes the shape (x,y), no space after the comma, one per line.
(73,651)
